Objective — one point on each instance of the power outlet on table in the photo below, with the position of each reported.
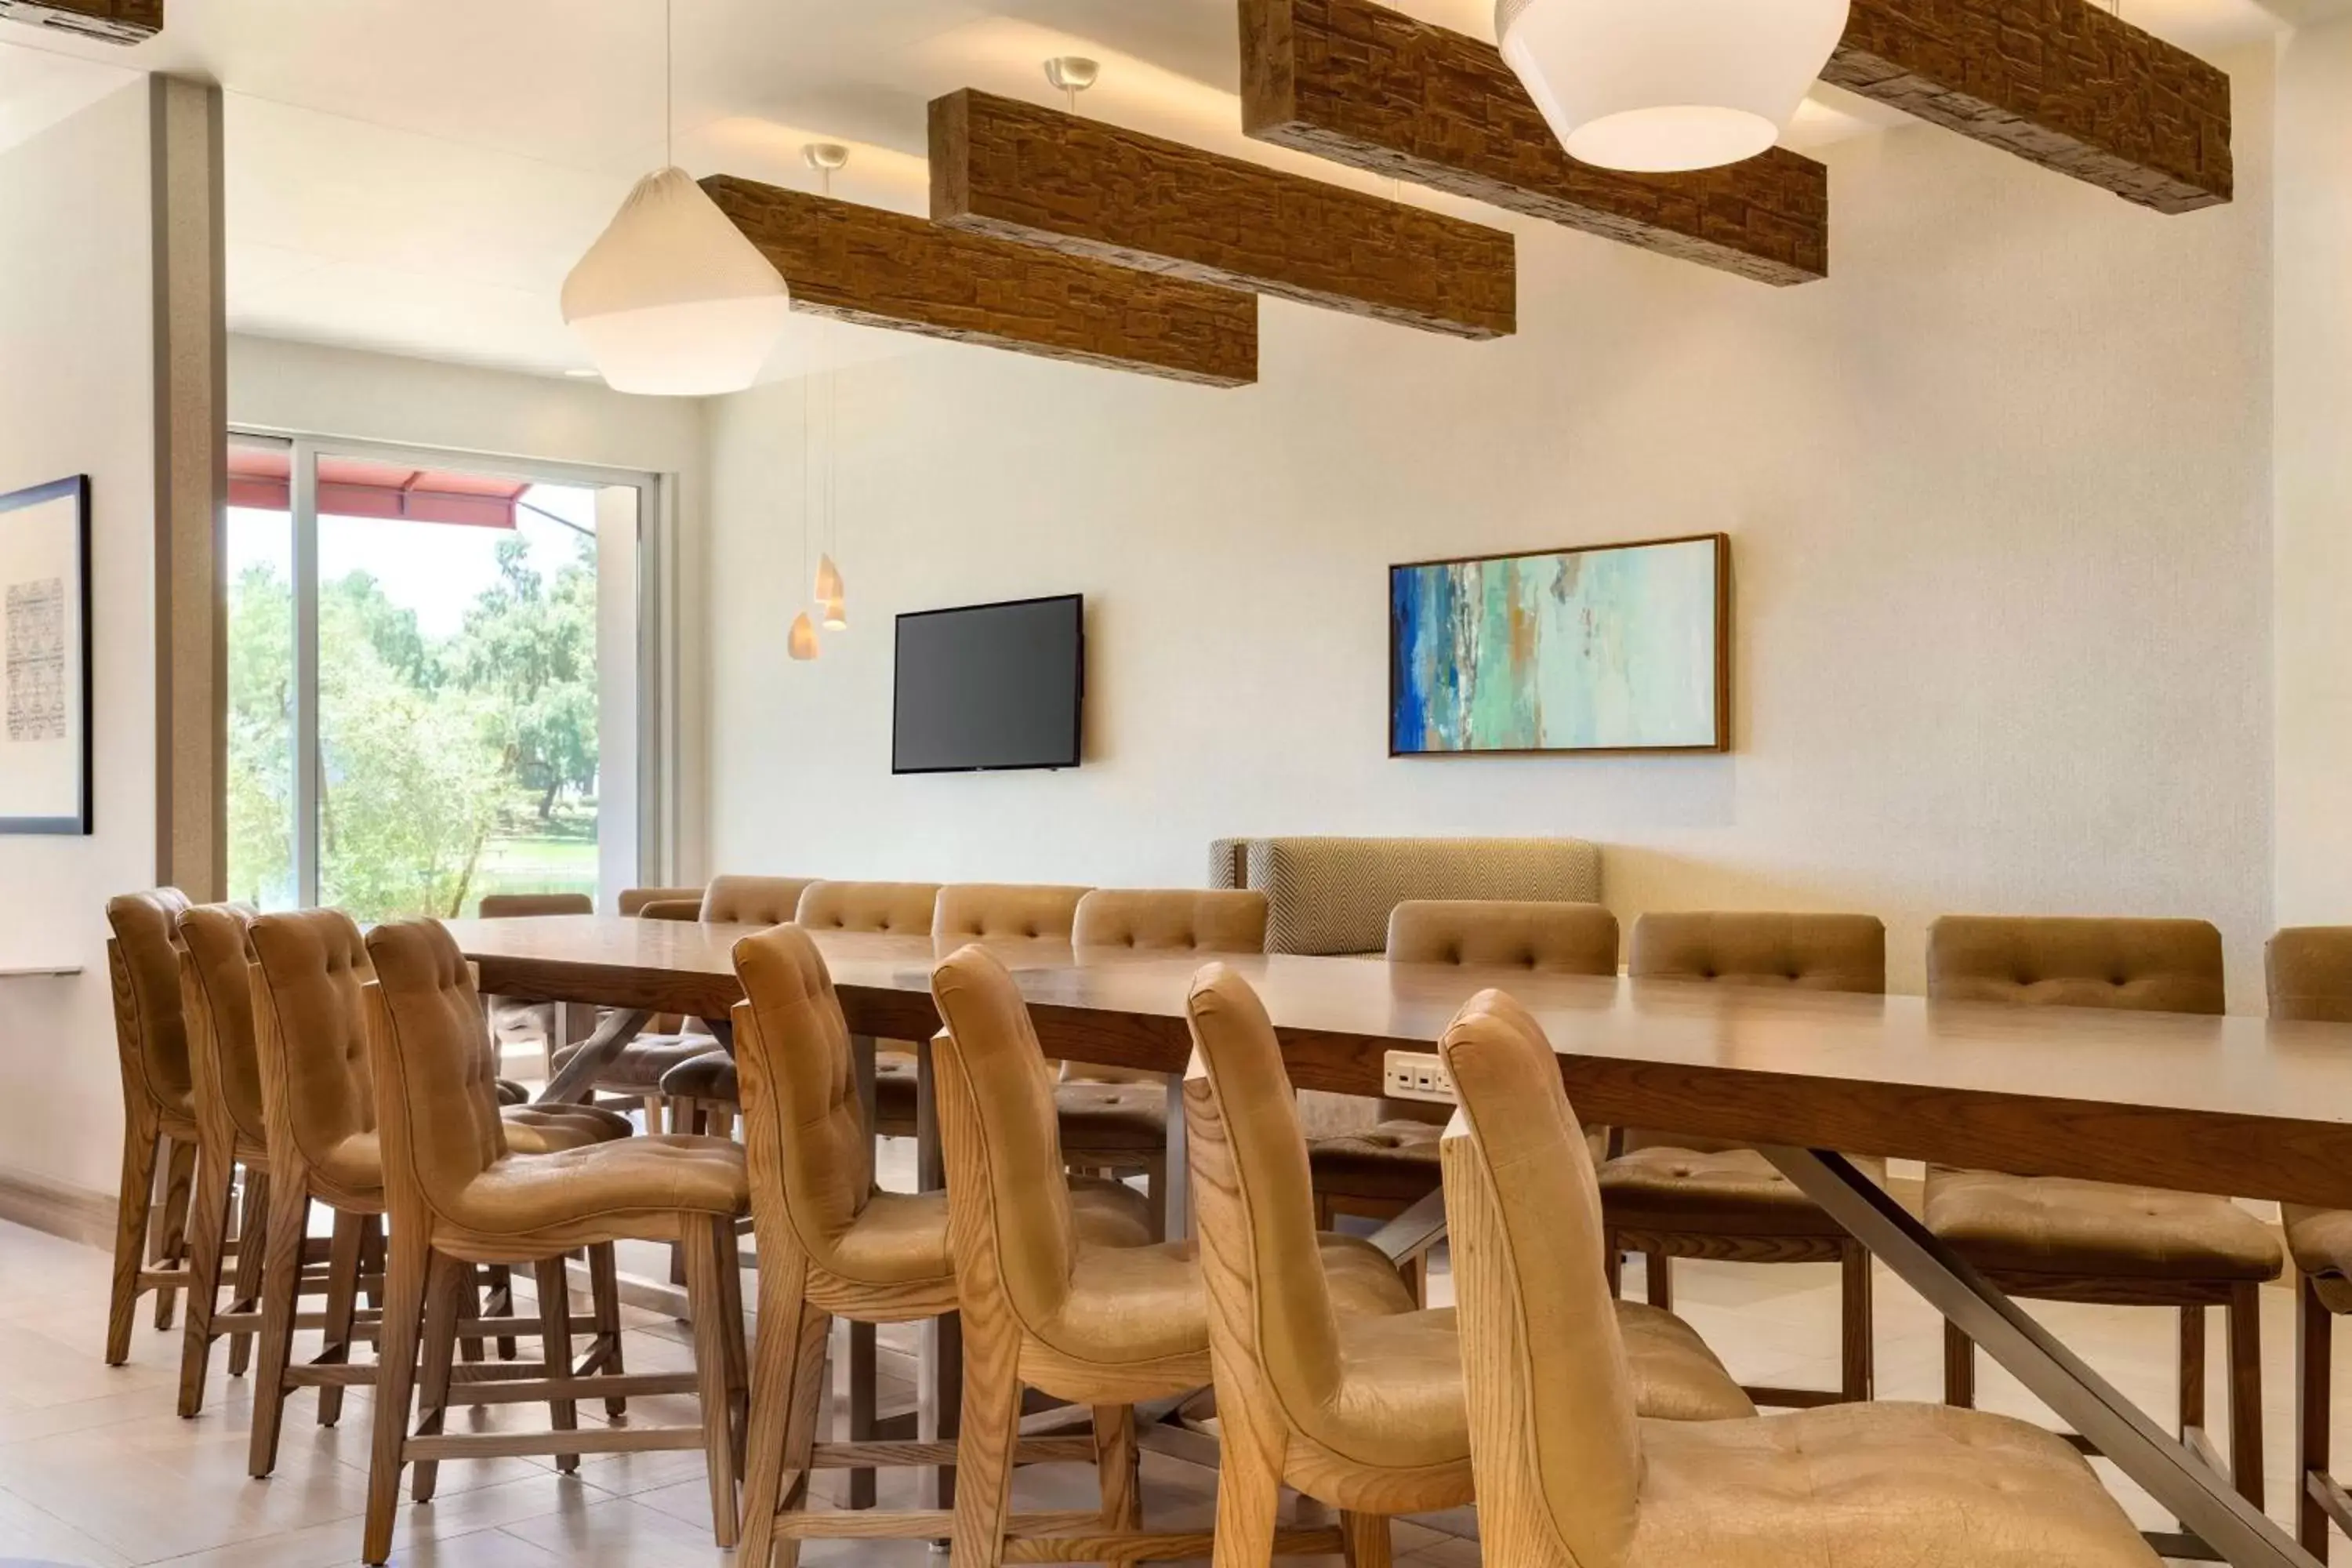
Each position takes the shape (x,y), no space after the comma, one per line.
(1417,1074)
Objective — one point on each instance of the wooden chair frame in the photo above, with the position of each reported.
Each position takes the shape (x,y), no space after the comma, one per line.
(159,1162)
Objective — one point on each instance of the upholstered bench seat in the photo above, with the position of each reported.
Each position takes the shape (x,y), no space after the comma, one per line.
(1730,1191)
(2062,1227)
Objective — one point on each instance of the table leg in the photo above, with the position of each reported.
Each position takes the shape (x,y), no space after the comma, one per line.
(939,1378)
(859,1371)
(2191,1490)
(577,1081)
(1179,1173)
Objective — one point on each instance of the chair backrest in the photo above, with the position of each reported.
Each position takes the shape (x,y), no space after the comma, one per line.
(309,1030)
(1554,1445)
(1270,1317)
(975,912)
(1175,919)
(899,909)
(2310,972)
(216,995)
(1546,938)
(436,1098)
(632,900)
(1008,1198)
(1334,895)
(143,964)
(518,906)
(2141,966)
(803,1129)
(1800,952)
(753,901)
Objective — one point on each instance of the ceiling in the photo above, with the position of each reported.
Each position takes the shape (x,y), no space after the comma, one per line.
(417,176)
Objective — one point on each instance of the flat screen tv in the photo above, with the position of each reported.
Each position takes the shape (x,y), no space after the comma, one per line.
(990,686)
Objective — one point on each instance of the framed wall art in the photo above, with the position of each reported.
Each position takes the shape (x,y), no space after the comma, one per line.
(44,740)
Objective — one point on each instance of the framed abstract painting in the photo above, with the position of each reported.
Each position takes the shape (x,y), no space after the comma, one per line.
(1609,647)
(45,742)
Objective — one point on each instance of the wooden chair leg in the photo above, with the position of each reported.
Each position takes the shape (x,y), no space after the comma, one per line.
(738,1359)
(1251,1447)
(653,1121)
(374,1261)
(2193,1370)
(409,1260)
(1960,1368)
(712,1363)
(1659,1271)
(1858,1333)
(479,1294)
(604,1298)
(215,1173)
(860,1408)
(555,1349)
(2315,1343)
(1118,1467)
(169,1239)
(1612,1265)
(502,1304)
(449,1294)
(343,1306)
(1364,1539)
(2245,1322)
(253,1240)
(1155,1194)
(130,1216)
(984,1445)
(281,1291)
(792,1337)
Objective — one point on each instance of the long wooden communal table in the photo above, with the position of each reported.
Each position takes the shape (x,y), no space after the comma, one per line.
(2243,1106)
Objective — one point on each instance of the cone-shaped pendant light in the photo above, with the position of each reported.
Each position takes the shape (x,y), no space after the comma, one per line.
(803,643)
(830,597)
(672,300)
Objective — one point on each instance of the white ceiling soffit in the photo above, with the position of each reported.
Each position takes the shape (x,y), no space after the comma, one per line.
(40,86)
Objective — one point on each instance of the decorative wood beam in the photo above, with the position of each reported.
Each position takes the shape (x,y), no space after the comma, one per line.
(880,269)
(113,21)
(1084,188)
(2060,82)
(1362,85)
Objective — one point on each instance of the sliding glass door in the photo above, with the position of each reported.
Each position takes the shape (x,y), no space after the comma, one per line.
(434,670)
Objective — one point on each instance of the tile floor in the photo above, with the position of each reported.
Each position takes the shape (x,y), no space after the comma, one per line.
(96,1471)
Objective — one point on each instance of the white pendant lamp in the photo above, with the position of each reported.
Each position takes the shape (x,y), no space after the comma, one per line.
(1654,86)
(802,644)
(672,301)
(830,597)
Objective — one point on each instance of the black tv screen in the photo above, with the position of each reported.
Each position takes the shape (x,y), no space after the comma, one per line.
(991,686)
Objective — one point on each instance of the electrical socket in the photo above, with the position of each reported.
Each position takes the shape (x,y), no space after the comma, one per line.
(1417,1074)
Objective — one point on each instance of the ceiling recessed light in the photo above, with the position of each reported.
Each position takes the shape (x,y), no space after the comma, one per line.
(582,375)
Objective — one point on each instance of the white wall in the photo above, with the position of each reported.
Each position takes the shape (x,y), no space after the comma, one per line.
(2314,450)
(2000,494)
(77,378)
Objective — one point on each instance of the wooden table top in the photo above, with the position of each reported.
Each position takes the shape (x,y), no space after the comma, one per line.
(2242,1105)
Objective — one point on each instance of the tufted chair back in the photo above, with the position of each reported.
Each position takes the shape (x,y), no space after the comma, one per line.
(150,1029)
(216,994)
(1800,952)
(1008,1200)
(1270,1306)
(1546,938)
(309,1034)
(805,1131)
(1182,919)
(517,905)
(753,901)
(976,912)
(1550,1390)
(2141,966)
(634,900)
(436,1098)
(898,908)
(2310,973)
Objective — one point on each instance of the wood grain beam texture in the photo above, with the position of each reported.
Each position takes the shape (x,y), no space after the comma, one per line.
(1084,188)
(113,21)
(881,268)
(2060,82)
(1362,85)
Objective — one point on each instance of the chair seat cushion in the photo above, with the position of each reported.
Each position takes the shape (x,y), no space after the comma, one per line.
(1676,1377)
(1120,1117)
(2320,1241)
(546,1128)
(640,1067)
(1728,1191)
(1135,1306)
(901,1238)
(710,1076)
(1875,1485)
(2064,1228)
(512,1094)
(635,1188)
(1394,1160)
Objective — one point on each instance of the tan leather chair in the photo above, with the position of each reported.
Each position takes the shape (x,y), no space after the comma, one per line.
(831,1243)
(1667,1195)
(1569,1477)
(1385,1169)
(633,901)
(2054,1238)
(892,909)
(2309,969)
(1178,920)
(303,978)
(701,1091)
(159,1112)
(1362,1409)
(458,1196)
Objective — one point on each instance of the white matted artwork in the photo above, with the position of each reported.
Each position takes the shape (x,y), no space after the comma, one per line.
(45,744)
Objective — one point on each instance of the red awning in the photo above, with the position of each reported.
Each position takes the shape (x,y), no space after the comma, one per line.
(261,477)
